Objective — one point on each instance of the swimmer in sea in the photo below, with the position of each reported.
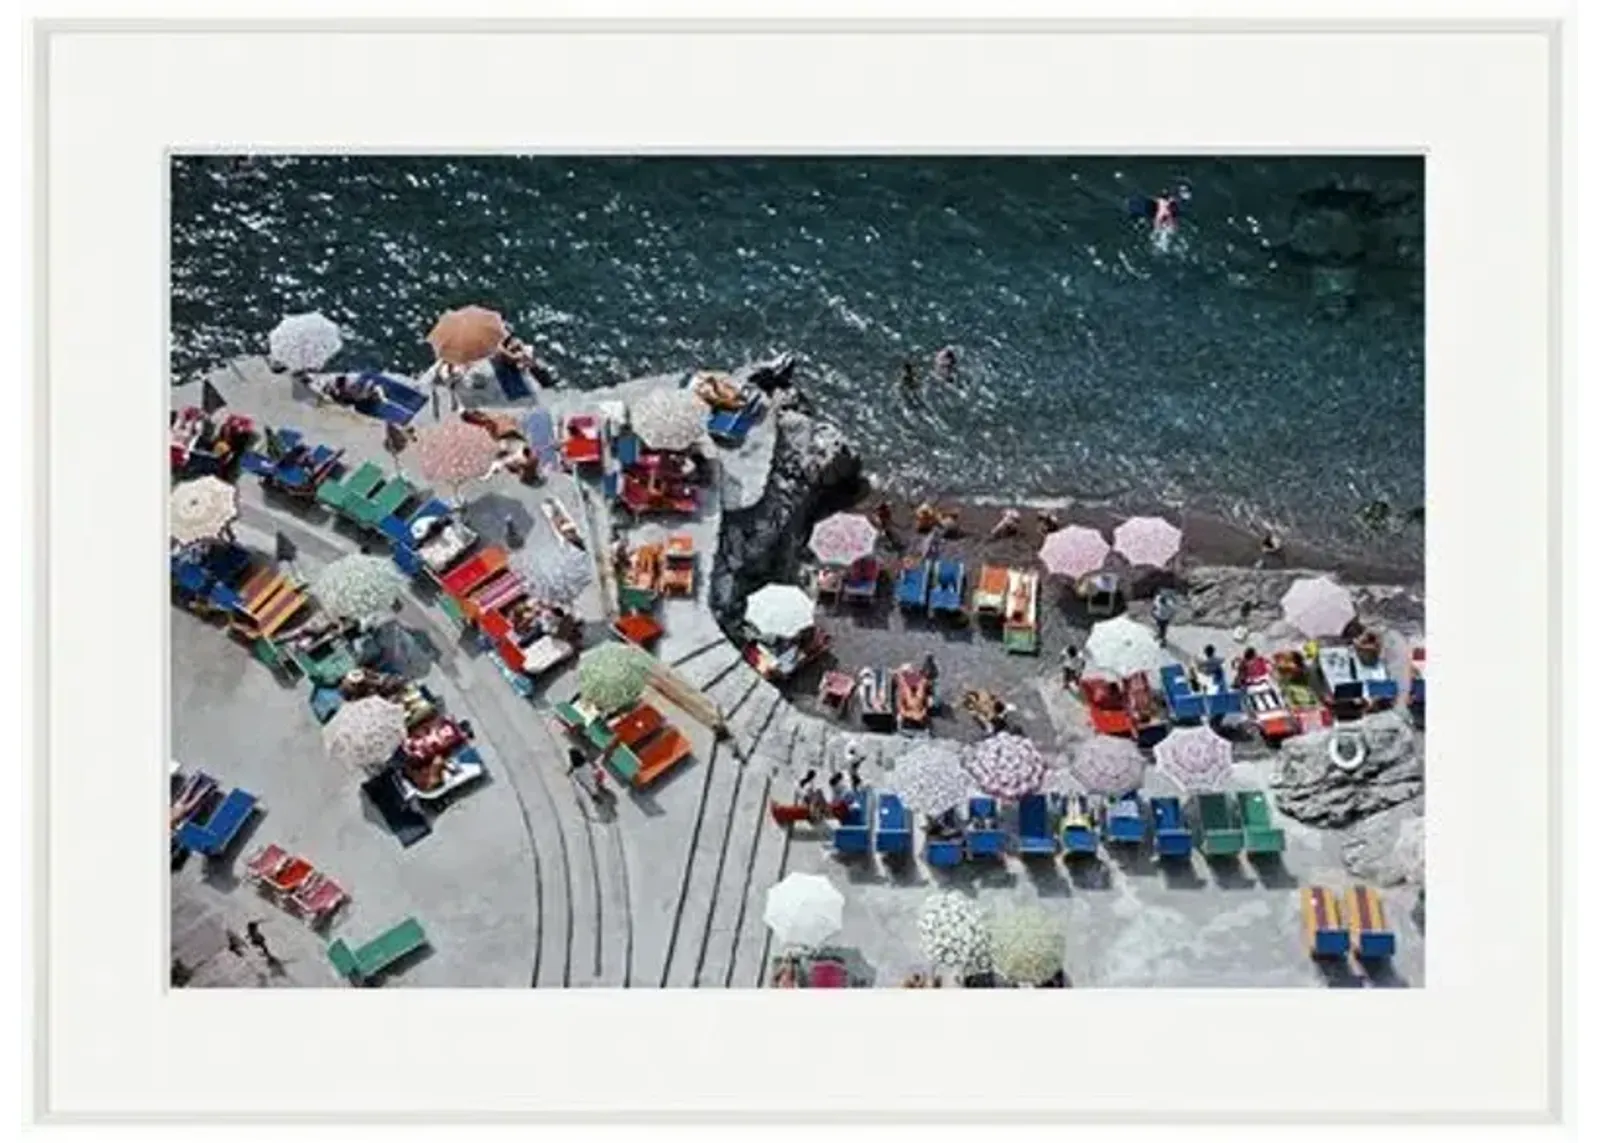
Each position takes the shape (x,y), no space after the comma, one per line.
(1164,211)
(944,363)
(908,378)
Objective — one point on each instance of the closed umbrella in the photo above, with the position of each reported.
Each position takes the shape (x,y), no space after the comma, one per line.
(1029,945)
(930,778)
(844,538)
(365,733)
(201,509)
(804,909)
(669,420)
(954,933)
(613,675)
(1107,765)
(302,342)
(469,334)
(1318,607)
(359,587)
(1147,540)
(1197,758)
(780,610)
(1121,647)
(1005,765)
(555,573)
(1074,551)
(454,452)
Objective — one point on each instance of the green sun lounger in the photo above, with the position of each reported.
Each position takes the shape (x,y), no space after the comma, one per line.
(360,484)
(327,664)
(373,509)
(624,763)
(1221,832)
(386,949)
(1260,835)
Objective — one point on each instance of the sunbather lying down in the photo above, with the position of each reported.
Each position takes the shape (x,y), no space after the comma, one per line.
(987,707)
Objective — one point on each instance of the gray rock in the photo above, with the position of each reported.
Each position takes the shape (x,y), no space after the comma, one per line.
(1311,789)
(1387,848)
(1231,596)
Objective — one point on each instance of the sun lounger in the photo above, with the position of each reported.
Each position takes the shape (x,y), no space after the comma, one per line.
(1108,706)
(1221,828)
(853,832)
(325,664)
(1337,666)
(495,594)
(1224,702)
(1101,593)
(1267,709)
(469,574)
(835,691)
(1371,937)
(538,429)
(730,427)
(213,836)
(637,591)
(319,899)
(1144,713)
(1122,821)
(827,972)
(638,629)
(289,876)
(677,572)
(462,768)
(339,492)
(989,593)
(384,951)
(1172,835)
(875,691)
(1020,632)
(659,755)
(402,818)
(401,400)
(1325,933)
(861,581)
(911,588)
(913,697)
(1079,837)
(325,702)
(1260,835)
(1417,694)
(1035,835)
(1182,703)
(894,826)
(265,863)
(582,444)
(947,596)
(985,838)
(384,503)
(829,583)
(944,852)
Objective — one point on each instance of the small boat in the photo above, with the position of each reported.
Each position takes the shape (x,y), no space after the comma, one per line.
(563,523)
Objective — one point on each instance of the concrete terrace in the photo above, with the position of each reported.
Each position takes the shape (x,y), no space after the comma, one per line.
(525,881)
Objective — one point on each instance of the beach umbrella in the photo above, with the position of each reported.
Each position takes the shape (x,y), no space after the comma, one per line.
(954,933)
(365,733)
(1074,551)
(1107,765)
(1318,607)
(202,509)
(555,573)
(359,587)
(1147,540)
(454,452)
(1005,765)
(1121,647)
(670,420)
(780,610)
(211,401)
(469,334)
(613,675)
(844,538)
(930,778)
(1029,944)
(1197,758)
(302,342)
(804,909)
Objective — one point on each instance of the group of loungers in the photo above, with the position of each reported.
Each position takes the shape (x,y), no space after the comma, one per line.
(778,662)
(295,884)
(1355,925)
(205,820)
(1005,598)
(636,744)
(903,698)
(200,444)
(653,571)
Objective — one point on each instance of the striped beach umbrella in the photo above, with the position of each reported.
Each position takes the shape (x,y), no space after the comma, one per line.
(930,778)
(1197,758)
(1005,765)
(1107,765)
(359,587)
(1029,944)
(1147,540)
(669,420)
(454,452)
(465,335)
(1318,607)
(955,934)
(302,342)
(1074,551)
(364,734)
(844,538)
(201,509)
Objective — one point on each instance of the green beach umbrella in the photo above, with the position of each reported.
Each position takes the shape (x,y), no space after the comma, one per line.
(1028,945)
(613,675)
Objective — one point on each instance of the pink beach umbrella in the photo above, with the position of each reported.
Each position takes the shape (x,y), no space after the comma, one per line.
(1147,541)
(1197,758)
(1074,551)
(1006,765)
(1318,607)
(1107,765)
(844,538)
(455,452)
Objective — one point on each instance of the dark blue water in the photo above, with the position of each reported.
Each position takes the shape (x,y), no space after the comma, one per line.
(1268,366)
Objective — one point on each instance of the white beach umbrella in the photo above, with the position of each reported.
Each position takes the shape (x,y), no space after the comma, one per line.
(1121,647)
(1147,540)
(1318,607)
(1005,765)
(844,538)
(780,610)
(365,733)
(555,573)
(669,420)
(1074,551)
(359,587)
(1107,765)
(930,778)
(1197,758)
(954,933)
(1029,944)
(201,509)
(303,342)
(804,910)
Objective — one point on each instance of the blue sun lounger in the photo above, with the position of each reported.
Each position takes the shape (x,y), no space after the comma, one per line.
(1173,839)
(1225,703)
(512,381)
(325,701)
(213,836)
(911,590)
(1182,702)
(1078,835)
(625,447)
(1123,822)
(401,402)
(540,431)
(984,840)
(944,852)
(949,587)
(853,833)
(894,826)
(732,426)
(1035,838)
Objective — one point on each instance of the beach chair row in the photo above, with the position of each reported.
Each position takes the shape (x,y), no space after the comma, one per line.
(656,570)
(903,698)
(295,884)
(1336,928)
(636,744)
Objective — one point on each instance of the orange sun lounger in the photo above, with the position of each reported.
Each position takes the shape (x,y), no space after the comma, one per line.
(271,599)
(1325,932)
(989,594)
(662,753)
(1108,706)
(1370,933)
(460,580)
(677,574)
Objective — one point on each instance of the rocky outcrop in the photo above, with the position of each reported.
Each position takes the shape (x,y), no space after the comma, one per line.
(811,461)
(1312,788)
(1232,597)
(1387,848)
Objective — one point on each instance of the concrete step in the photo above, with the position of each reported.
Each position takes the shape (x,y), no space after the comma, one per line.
(722,777)
(615,965)
(734,688)
(706,668)
(752,721)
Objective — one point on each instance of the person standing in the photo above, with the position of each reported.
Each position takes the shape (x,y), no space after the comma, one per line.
(1072,666)
(1163,610)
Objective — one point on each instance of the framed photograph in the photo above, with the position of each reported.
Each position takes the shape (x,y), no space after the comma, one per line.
(656,519)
